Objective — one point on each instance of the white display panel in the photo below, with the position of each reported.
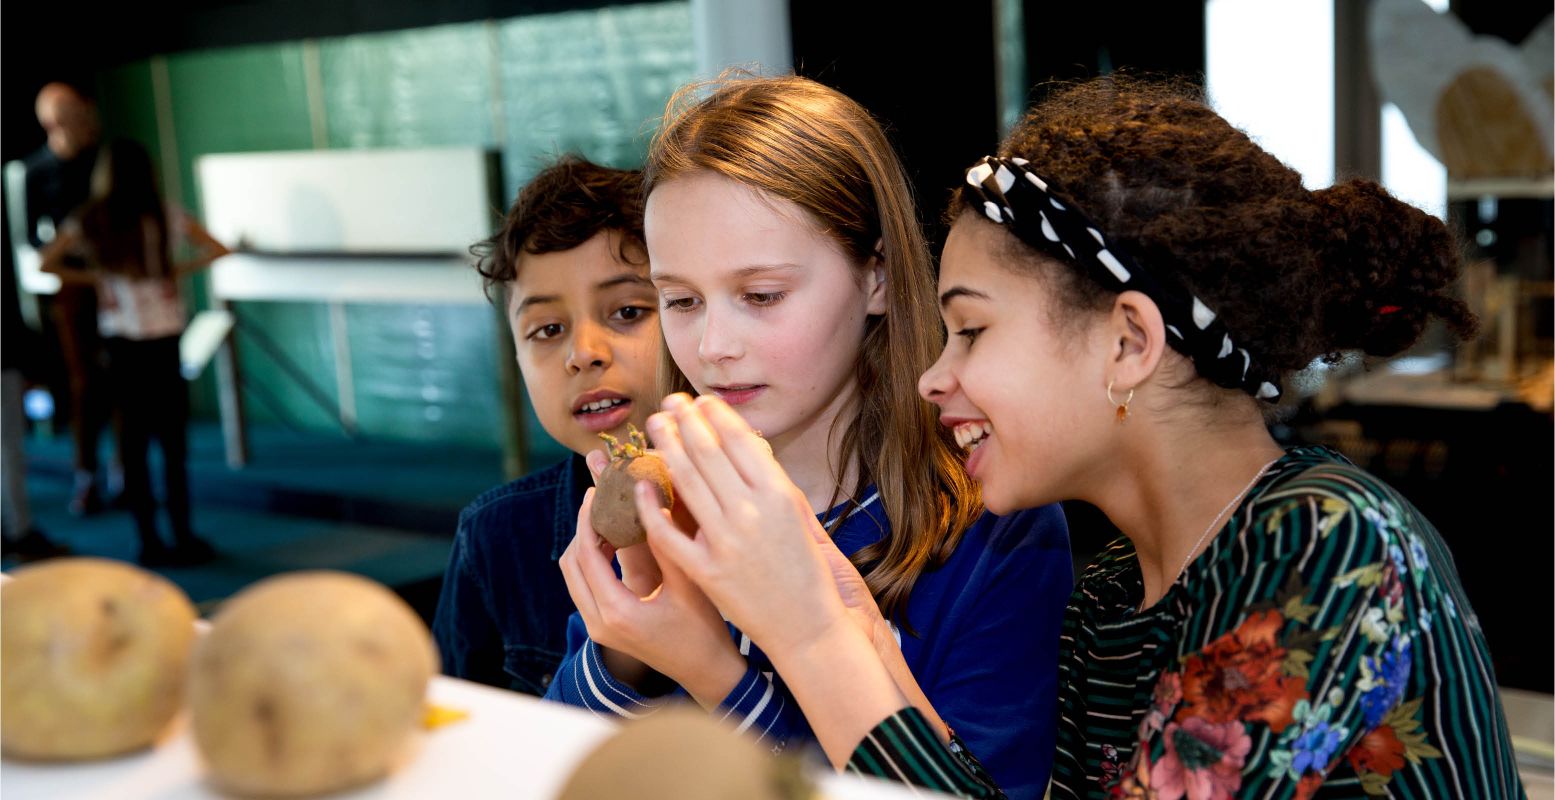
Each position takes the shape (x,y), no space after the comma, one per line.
(435,201)
(242,276)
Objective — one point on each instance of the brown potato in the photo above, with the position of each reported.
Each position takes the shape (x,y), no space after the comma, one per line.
(614,511)
(307,683)
(683,754)
(93,655)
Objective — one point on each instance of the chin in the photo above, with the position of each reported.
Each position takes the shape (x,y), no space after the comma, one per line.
(754,417)
(584,443)
(997,504)
(1003,500)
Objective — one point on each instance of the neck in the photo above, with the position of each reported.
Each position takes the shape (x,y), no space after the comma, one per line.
(1173,482)
(811,457)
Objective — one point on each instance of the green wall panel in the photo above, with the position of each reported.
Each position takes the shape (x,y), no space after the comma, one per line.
(416,88)
(300,333)
(593,82)
(426,372)
(127,106)
(240,99)
(234,100)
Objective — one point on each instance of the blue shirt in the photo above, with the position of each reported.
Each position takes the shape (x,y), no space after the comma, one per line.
(502,616)
(985,650)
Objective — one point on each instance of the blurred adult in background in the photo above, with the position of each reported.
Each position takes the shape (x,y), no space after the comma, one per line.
(58,181)
(123,241)
(19,538)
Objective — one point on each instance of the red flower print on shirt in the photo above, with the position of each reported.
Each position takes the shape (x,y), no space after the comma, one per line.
(1240,677)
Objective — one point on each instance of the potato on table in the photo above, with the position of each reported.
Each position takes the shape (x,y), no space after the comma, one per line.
(93,656)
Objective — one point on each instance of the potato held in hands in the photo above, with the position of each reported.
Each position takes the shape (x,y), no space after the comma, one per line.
(614,512)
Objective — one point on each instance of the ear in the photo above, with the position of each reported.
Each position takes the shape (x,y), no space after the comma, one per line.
(878,283)
(1136,340)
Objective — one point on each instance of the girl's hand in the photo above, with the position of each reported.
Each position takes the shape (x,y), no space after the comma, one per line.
(757,550)
(639,570)
(762,556)
(674,629)
(854,593)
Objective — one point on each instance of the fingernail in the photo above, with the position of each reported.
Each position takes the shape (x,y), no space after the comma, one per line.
(675,401)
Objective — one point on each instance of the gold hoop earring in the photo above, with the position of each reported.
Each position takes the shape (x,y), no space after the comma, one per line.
(1123,406)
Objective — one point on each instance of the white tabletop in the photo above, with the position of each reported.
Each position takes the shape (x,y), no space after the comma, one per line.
(511,746)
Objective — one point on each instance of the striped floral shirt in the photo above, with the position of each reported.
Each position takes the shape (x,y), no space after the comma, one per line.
(1321,646)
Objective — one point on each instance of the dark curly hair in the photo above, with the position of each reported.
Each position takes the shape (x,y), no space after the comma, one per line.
(1297,275)
(563,206)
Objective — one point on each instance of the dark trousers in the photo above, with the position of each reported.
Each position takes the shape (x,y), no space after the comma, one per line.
(153,403)
(74,312)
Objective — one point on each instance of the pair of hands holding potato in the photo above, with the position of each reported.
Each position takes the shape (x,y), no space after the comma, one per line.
(742,540)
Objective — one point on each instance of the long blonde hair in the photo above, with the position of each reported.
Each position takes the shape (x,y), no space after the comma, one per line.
(809,144)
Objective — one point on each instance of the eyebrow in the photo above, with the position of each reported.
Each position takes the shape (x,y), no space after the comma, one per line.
(609,283)
(624,279)
(534,300)
(741,273)
(961,291)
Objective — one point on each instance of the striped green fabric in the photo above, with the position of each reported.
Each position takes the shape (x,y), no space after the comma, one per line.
(1321,646)
(904,748)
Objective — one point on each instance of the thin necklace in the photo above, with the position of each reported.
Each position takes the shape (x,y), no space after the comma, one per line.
(1216,521)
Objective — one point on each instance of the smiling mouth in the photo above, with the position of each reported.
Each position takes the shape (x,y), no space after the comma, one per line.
(601,406)
(971,435)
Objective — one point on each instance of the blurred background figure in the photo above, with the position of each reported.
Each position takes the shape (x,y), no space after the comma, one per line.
(19,537)
(122,243)
(58,179)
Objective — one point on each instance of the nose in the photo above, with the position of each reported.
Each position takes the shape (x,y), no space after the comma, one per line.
(590,348)
(937,382)
(720,340)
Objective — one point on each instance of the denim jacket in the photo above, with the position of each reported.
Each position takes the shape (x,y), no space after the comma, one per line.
(502,616)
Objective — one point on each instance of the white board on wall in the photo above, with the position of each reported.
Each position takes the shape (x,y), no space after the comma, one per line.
(432,201)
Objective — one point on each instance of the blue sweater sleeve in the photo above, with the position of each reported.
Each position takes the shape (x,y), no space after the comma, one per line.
(761,705)
(993,675)
(582,680)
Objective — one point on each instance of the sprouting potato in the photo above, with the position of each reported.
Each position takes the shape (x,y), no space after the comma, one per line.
(614,512)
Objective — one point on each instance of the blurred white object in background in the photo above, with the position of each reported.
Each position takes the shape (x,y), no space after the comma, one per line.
(1479,104)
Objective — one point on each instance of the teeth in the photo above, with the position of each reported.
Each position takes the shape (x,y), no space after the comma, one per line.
(972,434)
(603,404)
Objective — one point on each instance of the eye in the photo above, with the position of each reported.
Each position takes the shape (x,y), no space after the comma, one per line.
(631,313)
(681,304)
(969,334)
(545,332)
(764,298)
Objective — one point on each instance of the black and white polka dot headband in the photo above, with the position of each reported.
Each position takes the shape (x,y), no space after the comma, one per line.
(1012,195)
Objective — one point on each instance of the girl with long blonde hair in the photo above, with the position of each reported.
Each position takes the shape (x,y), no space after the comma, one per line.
(796,286)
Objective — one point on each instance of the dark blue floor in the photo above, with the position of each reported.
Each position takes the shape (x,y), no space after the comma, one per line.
(380,509)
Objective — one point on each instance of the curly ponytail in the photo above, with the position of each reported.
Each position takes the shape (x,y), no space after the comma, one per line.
(1388,267)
